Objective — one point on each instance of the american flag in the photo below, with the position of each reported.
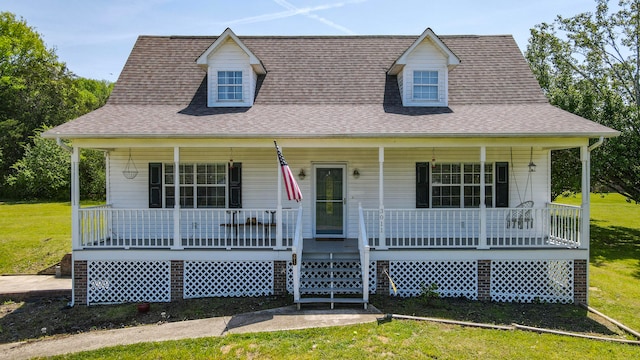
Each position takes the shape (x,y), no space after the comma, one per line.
(293,191)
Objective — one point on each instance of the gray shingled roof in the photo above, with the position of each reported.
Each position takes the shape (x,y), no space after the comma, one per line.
(327,86)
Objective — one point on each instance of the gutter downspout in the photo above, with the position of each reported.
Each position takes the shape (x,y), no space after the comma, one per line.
(71,303)
(597,144)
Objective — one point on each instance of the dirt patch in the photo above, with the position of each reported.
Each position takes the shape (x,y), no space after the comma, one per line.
(40,317)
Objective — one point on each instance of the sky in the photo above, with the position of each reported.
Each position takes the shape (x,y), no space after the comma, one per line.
(95,37)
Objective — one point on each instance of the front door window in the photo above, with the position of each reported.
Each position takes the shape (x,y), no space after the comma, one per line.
(330,201)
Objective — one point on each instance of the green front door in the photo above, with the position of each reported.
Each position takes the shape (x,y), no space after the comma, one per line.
(330,201)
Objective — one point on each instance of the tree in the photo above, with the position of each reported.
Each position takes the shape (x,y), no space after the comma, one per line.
(589,65)
(35,87)
(36,91)
(42,173)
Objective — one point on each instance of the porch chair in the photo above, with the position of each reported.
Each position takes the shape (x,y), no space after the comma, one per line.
(521,216)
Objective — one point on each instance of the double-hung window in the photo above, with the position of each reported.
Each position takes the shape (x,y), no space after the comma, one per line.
(425,85)
(457,185)
(201,185)
(229,85)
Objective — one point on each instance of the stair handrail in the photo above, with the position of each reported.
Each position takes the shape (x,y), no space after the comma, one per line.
(296,255)
(364,249)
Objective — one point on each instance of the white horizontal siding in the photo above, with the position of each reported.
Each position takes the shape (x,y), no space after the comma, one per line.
(260,175)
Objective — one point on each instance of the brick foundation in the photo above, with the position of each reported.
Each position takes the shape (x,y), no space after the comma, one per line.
(382,281)
(279,277)
(580,286)
(80,282)
(177,280)
(484,280)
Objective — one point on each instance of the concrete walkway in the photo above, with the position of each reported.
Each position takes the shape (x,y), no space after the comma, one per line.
(286,318)
(25,286)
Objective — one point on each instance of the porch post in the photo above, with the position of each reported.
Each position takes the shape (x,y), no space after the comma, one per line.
(177,238)
(585,157)
(279,208)
(76,241)
(382,237)
(482,239)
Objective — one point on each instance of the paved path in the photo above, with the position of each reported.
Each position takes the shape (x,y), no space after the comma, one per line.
(24,286)
(286,318)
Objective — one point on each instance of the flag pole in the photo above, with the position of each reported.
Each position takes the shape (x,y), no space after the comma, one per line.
(279,206)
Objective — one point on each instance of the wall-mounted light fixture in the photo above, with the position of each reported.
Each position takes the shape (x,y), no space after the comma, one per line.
(356,173)
(302,174)
(532,166)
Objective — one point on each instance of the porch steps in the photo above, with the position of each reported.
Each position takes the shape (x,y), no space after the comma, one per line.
(331,277)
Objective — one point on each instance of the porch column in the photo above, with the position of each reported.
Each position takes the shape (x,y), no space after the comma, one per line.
(585,157)
(382,234)
(177,238)
(279,208)
(482,238)
(76,241)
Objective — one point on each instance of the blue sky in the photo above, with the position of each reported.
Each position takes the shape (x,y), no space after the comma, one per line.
(94,37)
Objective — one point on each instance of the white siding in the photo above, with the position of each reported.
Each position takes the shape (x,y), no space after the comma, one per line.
(230,57)
(260,173)
(425,57)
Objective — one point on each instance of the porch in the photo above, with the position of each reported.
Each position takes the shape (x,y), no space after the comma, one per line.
(551,226)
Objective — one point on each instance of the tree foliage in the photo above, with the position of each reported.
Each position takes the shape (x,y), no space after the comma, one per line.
(37,90)
(589,64)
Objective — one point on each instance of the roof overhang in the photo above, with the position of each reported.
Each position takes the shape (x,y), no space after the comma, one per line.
(452,59)
(202,60)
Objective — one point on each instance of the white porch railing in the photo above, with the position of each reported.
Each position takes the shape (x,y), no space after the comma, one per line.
(553,226)
(105,227)
(296,256)
(364,248)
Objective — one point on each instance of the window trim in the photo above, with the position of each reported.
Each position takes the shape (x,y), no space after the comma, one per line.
(426,85)
(169,183)
(235,85)
(490,186)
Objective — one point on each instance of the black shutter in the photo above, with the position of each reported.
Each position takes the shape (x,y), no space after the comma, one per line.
(422,185)
(155,185)
(502,184)
(235,185)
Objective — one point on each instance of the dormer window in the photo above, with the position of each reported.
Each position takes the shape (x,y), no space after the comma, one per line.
(425,85)
(230,85)
(232,72)
(423,72)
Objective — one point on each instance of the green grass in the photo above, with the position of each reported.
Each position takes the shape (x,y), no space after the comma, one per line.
(614,271)
(33,236)
(397,339)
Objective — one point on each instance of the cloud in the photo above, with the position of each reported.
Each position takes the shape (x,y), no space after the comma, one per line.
(293,11)
(325,21)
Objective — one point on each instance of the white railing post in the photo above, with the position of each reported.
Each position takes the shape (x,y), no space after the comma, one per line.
(382,237)
(76,238)
(296,256)
(177,237)
(279,244)
(482,238)
(363,246)
(585,157)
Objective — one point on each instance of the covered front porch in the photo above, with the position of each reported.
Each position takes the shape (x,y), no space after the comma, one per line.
(403,211)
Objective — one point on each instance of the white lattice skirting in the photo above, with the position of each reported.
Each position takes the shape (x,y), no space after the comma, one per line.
(227,278)
(111,282)
(453,278)
(532,280)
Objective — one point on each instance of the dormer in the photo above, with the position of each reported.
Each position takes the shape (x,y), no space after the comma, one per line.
(423,71)
(232,72)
